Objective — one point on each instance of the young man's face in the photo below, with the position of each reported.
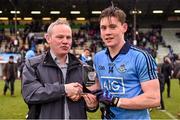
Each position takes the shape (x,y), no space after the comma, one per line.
(112,31)
(60,40)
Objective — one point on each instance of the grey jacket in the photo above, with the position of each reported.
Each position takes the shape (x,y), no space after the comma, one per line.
(46,87)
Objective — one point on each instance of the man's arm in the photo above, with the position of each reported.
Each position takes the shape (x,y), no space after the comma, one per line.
(150,97)
(34,91)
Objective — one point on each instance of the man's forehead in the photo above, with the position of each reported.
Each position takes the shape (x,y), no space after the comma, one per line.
(109,20)
(61,28)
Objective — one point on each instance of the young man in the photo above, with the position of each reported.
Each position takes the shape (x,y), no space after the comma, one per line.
(126,75)
(54,79)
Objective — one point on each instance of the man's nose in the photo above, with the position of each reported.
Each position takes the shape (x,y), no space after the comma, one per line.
(107,31)
(65,40)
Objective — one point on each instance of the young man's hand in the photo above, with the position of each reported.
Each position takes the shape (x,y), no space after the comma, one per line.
(90,100)
(106,97)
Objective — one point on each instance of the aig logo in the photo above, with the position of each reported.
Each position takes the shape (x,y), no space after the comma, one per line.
(101,67)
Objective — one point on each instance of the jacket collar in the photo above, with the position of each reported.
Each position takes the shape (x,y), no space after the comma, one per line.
(55,58)
(49,61)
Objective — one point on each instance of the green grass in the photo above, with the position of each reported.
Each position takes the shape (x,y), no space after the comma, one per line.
(12,107)
(15,108)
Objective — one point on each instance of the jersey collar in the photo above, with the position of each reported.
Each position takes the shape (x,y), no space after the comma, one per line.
(123,50)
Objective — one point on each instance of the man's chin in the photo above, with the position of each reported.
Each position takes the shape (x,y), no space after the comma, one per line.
(109,45)
(64,52)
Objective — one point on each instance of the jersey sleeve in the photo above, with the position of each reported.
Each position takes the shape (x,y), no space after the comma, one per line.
(146,67)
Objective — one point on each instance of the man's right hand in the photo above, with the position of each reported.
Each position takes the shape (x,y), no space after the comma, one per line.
(73,91)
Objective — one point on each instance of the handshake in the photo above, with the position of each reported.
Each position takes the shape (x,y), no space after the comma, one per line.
(106,97)
(75,90)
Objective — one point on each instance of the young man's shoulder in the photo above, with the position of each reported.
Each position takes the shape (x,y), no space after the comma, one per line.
(138,51)
(101,53)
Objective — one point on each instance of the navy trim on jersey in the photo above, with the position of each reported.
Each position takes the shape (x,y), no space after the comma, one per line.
(151,64)
(151,73)
(123,50)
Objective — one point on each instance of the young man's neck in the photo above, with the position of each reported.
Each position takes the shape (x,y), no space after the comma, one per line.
(115,50)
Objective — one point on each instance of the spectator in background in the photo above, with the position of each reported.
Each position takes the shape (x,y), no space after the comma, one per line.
(1,38)
(171,53)
(93,46)
(9,75)
(176,72)
(161,82)
(30,53)
(20,64)
(167,70)
(86,58)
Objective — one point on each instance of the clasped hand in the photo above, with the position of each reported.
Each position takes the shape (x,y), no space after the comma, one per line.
(73,91)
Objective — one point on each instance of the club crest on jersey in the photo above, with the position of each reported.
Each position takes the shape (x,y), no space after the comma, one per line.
(122,68)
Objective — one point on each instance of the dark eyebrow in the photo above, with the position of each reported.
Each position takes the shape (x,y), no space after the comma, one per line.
(102,26)
(112,25)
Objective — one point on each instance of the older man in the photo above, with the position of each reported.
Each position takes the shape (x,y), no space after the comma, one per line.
(53,81)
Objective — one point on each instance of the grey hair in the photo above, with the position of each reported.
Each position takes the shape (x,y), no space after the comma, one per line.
(57,22)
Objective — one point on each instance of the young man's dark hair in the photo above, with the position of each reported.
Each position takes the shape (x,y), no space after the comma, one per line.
(113,12)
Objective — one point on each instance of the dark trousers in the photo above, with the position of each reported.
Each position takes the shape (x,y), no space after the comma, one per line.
(162,101)
(6,86)
(167,81)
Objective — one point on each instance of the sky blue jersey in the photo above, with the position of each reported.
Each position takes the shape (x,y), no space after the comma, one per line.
(122,76)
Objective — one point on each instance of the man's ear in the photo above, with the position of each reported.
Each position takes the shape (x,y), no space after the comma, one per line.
(47,37)
(125,26)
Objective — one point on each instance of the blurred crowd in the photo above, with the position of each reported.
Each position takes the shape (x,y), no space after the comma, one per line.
(86,37)
(86,42)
